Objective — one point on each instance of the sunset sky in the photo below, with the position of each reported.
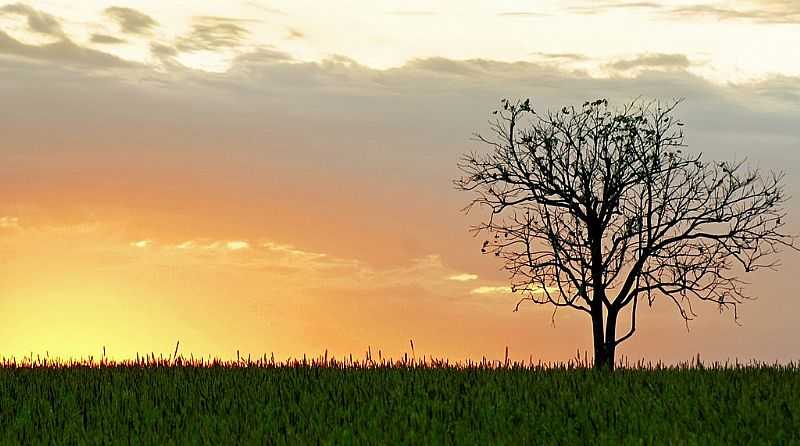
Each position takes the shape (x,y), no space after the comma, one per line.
(276,176)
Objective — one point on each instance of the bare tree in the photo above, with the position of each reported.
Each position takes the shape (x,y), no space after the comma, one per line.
(596,209)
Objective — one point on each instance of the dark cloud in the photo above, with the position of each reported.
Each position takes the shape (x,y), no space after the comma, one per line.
(397,106)
(212,33)
(658,61)
(475,70)
(343,89)
(38,21)
(783,88)
(106,39)
(130,20)
(262,56)
(444,65)
(64,51)
(160,50)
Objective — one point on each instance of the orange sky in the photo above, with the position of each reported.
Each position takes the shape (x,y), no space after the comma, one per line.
(294,205)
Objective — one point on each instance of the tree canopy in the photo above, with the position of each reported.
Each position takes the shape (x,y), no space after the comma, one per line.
(594,209)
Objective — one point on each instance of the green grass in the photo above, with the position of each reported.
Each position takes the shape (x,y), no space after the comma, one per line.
(156,402)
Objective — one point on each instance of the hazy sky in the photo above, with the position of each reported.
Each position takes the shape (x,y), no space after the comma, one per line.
(276,176)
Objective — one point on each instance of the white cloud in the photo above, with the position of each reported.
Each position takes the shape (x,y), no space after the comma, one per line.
(289,249)
(237,245)
(142,243)
(508,290)
(9,222)
(464,277)
(491,290)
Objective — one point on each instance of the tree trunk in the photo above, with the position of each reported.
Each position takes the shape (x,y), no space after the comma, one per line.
(600,357)
(611,339)
(604,339)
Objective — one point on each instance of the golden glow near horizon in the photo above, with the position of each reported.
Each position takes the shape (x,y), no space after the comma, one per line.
(277,176)
(262,295)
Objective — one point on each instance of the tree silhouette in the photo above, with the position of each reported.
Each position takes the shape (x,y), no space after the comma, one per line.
(595,209)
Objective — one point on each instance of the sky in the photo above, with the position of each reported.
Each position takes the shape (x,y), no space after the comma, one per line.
(276,177)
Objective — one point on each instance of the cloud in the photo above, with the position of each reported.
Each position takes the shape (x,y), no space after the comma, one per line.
(307,268)
(63,51)
(162,51)
(323,93)
(131,21)
(491,290)
(270,97)
(9,223)
(237,245)
(447,66)
(509,290)
(267,249)
(259,58)
(785,89)
(291,250)
(338,87)
(296,34)
(464,277)
(264,8)
(659,61)
(105,39)
(141,244)
(212,33)
(758,11)
(561,56)
(38,21)
(266,256)
(605,7)
(788,14)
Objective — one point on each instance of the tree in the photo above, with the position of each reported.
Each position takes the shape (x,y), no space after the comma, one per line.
(595,210)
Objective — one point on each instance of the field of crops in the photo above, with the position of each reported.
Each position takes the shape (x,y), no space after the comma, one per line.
(156,401)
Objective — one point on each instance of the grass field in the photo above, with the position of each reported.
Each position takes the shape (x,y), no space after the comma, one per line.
(156,401)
